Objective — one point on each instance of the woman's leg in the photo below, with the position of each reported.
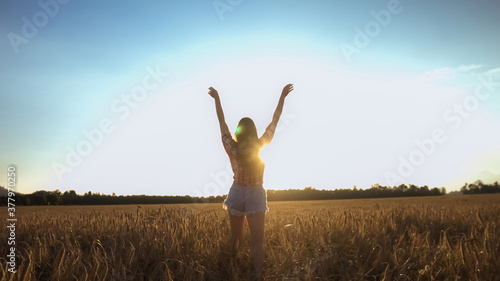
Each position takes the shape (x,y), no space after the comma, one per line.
(256,224)
(236,231)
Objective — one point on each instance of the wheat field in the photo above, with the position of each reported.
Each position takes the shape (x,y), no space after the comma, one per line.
(426,238)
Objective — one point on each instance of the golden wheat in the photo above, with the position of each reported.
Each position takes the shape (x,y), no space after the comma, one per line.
(442,238)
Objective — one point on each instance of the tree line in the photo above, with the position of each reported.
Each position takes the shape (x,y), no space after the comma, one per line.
(479,187)
(70,197)
(375,191)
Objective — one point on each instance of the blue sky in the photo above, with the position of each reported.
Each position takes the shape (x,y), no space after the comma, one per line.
(66,69)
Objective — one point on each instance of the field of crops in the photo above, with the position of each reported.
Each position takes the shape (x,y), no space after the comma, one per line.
(426,238)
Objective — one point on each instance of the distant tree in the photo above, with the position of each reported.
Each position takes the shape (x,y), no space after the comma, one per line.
(479,187)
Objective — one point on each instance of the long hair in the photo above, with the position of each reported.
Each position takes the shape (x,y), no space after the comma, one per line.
(248,143)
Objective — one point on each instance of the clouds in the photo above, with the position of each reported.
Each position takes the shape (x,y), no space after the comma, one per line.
(449,73)
(465,68)
(462,77)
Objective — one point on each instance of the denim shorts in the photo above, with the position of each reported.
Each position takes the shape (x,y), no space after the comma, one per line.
(245,200)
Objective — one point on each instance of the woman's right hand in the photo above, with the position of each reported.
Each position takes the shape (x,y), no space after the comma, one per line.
(286,90)
(213,93)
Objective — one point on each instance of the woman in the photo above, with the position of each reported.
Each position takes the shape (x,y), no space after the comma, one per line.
(247,196)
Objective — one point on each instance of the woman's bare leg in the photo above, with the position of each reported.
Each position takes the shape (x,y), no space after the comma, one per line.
(236,231)
(256,224)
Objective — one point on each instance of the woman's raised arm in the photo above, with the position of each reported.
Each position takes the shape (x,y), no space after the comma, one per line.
(269,133)
(277,113)
(224,129)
